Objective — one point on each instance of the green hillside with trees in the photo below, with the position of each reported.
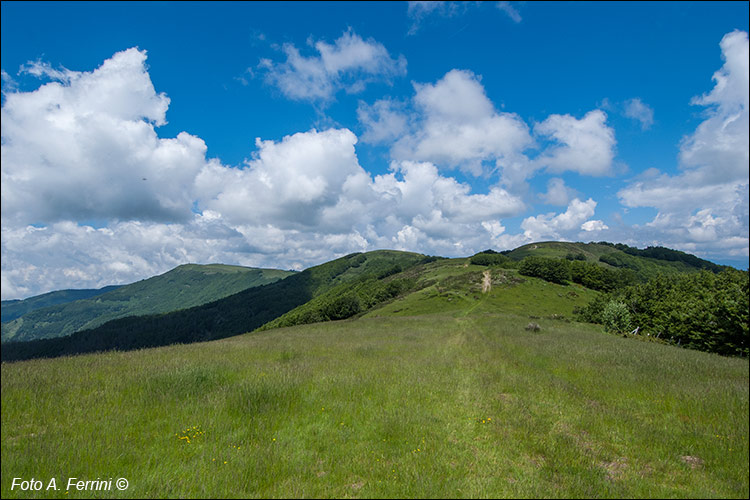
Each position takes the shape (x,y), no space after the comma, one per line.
(644,263)
(238,313)
(700,307)
(12,309)
(185,286)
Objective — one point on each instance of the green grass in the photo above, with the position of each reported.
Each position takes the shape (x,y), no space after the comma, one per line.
(454,285)
(438,405)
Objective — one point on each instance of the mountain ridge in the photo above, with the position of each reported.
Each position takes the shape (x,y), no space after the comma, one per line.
(184,286)
(353,285)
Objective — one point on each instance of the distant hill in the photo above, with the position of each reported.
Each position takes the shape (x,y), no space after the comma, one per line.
(644,263)
(183,287)
(12,309)
(232,315)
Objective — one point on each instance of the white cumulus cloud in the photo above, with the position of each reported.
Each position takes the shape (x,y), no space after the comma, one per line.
(86,147)
(585,145)
(458,126)
(561,226)
(639,111)
(452,123)
(704,208)
(558,193)
(347,64)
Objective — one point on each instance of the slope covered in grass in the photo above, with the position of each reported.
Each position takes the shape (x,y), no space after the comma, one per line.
(440,285)
(185,286)
(457,285)
(463,403)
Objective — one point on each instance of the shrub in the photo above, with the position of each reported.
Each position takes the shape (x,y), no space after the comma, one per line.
(575,256)
(343,307)
(597,277)
(395,269)
(616,317)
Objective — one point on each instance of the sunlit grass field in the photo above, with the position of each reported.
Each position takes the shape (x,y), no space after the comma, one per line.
(438,405)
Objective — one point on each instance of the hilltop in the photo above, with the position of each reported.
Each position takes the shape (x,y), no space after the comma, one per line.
(232,315)
(645,263)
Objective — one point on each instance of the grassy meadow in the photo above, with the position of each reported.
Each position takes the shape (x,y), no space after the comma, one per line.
(461,403)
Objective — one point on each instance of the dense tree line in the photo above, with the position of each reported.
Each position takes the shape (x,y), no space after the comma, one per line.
(596,277)
(589,274)
(666,254)
(552,270)
(491,258)
(704,311)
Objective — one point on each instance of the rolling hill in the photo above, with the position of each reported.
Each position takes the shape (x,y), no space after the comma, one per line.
(441,285)
(232,315)
(185,286)
(12,309)
(644,263)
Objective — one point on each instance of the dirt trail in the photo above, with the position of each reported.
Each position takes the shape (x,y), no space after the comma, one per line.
(487,282)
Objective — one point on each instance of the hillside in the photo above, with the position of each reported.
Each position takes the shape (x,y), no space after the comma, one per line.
(12,309)
(460,403)
(403,283)
(185,286)
(448,379)
(644,263)
(235,314)
(441,285)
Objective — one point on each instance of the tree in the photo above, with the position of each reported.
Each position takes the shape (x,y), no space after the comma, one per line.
(553,270)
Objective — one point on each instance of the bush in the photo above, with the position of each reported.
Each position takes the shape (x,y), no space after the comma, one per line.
(614,260)
(395,269)
(616,317)
(597,277)
(575,256)
(343,307)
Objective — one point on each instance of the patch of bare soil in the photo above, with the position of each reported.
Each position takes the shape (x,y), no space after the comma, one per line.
(693,462)
(616,469)
(487,282)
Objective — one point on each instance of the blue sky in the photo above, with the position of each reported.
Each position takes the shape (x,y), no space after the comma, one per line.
(140,136)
